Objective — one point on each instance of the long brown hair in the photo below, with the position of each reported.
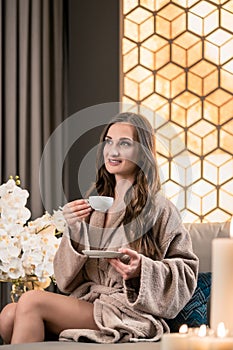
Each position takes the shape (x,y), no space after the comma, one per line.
(141,196)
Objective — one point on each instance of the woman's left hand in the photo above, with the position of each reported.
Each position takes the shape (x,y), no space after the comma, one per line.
(130,270)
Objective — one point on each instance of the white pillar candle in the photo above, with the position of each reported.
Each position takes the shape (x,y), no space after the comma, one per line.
(222,282)
(175,341)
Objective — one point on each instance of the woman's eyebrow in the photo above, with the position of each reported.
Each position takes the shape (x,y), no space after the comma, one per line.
(121,138)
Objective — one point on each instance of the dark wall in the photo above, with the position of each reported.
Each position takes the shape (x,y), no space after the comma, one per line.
(93,53)
(93,62)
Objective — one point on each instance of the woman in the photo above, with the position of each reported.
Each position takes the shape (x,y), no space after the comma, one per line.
(118,299)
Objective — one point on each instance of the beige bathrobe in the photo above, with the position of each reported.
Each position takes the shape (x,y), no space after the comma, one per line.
(131,310)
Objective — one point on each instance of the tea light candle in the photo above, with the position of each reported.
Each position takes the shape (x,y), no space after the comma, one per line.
(221,342)
(176,341)
(222,282)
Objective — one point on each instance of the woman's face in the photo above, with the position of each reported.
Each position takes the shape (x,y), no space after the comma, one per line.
(121,151)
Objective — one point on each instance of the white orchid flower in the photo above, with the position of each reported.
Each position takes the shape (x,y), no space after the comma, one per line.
(13,268)
(31,259)
(7,187)
(4,255)
(28,242)
(12,228)
(15,215)
(26,249)
(4,237)
(11,249)
(59,220)
(12,195)
(40,223)
(43,271)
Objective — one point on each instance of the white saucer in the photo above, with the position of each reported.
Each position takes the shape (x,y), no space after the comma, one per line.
(102,254)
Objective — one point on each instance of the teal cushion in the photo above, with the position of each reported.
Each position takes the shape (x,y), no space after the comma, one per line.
(195,312)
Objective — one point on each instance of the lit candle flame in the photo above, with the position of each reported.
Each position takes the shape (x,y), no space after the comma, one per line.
(231,228)
(202,331)
(221,330)
(183,329)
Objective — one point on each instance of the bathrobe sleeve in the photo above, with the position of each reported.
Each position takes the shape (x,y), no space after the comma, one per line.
(166,285)
(68,264)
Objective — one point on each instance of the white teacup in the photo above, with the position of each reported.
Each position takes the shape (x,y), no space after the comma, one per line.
(101,203)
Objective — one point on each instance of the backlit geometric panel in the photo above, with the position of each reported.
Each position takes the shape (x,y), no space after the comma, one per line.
(177,70)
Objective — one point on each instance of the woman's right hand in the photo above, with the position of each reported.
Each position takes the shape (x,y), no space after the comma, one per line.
(76,210)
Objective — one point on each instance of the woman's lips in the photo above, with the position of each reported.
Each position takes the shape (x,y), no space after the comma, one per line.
(114,162)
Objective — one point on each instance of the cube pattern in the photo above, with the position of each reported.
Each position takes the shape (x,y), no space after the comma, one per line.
(177,70)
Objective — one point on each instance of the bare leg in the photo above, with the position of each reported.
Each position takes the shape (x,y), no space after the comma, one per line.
(7,317)
(59,312)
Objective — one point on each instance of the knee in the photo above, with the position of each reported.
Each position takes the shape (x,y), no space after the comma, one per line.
(7,317)
(29,301)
